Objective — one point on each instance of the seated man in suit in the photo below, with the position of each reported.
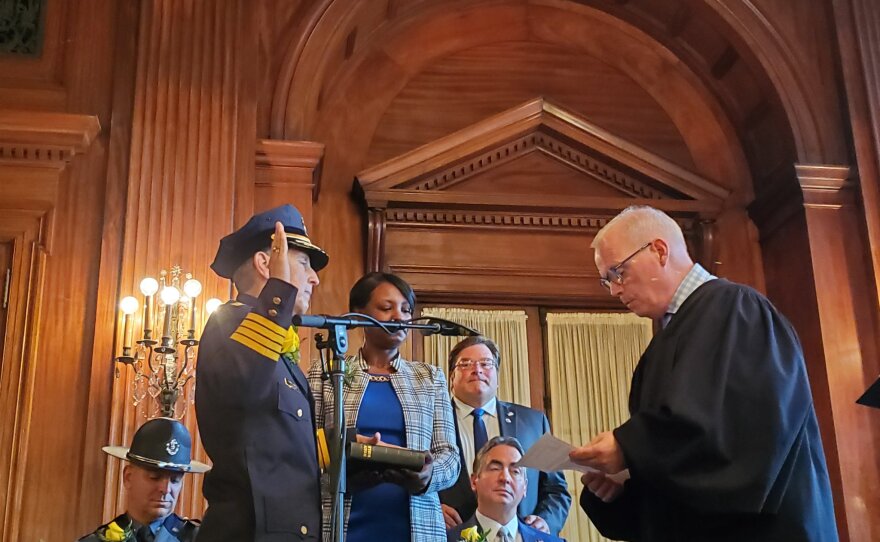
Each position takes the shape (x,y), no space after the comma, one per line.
(479,416)
(158,458)
(499,485)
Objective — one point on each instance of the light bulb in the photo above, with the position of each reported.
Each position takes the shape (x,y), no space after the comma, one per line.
(192,288)
(170,295)
(149,286)
(212,304)
(128,305)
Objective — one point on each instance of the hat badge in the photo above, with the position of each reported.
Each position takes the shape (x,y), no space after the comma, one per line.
(172,447)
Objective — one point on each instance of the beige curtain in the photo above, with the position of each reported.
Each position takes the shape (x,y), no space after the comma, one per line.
(591,358)
(507,328)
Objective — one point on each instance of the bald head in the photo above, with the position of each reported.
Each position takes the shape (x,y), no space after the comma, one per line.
(642,256)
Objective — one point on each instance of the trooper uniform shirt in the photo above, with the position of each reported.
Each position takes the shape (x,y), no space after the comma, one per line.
(255,418)
(123,529)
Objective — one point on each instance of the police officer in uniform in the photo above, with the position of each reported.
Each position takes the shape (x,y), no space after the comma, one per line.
(158,458)
(253,402)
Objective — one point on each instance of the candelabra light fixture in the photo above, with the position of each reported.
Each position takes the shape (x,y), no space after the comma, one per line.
(163,365)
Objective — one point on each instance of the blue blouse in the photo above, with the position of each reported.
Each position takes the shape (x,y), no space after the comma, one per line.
(382,511)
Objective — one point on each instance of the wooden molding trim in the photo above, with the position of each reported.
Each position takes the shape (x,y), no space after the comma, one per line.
(29,232)
(45,137)
(499,220)
(826,185)
(275,153)
(508,130)
(535,203)
(778,197)
(290,155)
(604,172)
(817,185)
(375,240)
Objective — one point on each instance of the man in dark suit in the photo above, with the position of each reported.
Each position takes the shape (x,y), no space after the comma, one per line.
(499,485)
(252,400)
(479,416)
(159,456)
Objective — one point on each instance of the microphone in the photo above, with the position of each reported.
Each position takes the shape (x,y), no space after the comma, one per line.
(432,325)
(447,328)
(322,321)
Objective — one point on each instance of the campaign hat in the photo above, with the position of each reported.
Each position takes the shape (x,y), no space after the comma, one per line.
(160,443)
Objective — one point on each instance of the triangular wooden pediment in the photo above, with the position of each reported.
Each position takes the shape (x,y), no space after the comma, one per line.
(509,158)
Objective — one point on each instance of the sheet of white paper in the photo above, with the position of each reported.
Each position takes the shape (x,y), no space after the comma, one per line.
(551,454)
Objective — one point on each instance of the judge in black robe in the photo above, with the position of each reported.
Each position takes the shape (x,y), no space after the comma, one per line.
(722,443)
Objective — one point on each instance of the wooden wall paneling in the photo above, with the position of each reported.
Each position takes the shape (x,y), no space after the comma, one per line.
(6,249)
(364,89)
(859,45)
(817,276)
(37,82)
(535,337)
(26,231)
(102,369)
(847,316)
(191,177)
(36,150)
(456,195)
(290,172)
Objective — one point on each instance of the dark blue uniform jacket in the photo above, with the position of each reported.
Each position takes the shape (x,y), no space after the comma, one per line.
(255,418)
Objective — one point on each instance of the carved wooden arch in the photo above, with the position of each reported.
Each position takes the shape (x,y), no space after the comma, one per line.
(349,26)
(433,211)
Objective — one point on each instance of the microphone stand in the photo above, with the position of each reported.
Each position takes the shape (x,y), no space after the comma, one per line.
(337,345)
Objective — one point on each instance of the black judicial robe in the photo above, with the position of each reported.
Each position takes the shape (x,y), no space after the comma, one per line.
(722,443)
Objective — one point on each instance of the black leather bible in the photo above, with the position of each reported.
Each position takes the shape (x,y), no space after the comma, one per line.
(377,457)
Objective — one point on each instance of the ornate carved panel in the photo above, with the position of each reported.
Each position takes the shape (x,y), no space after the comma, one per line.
(445,216)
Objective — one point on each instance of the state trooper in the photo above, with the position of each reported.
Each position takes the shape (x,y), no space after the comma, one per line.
(159,456)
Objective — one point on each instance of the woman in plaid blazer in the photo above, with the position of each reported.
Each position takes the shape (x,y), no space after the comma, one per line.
(407,403)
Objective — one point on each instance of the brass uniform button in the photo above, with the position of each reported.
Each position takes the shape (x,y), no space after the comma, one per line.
(304,530)
(273,312)
(299,413)
(276,300)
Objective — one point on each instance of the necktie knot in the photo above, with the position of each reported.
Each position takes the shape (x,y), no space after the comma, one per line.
(503,535)
(478,412)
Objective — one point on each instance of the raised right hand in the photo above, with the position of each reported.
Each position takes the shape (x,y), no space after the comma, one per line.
(279,265)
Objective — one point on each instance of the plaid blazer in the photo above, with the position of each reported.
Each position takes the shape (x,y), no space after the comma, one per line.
(427,413)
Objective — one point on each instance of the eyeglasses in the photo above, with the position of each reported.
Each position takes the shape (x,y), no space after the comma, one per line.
(615,274)
(484,363)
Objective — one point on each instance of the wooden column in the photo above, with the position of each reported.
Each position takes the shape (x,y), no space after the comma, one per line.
(290,172)
(818,273)
(857,22)
(190,178)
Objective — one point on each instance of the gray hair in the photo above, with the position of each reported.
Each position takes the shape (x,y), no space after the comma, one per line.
(642,224)
(513,442)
